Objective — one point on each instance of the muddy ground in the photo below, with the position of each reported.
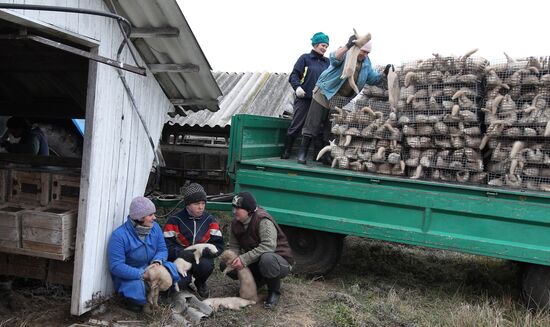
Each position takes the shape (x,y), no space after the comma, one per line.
(374,284)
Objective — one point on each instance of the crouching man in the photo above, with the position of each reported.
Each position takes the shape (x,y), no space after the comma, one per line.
(134,246)
(261,244)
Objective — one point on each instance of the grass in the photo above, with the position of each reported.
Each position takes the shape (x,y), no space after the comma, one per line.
(375,284)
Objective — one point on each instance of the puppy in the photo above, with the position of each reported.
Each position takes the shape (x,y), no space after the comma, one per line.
(159,280)
(198,248)
(247,285)
(232,303)
(182,267)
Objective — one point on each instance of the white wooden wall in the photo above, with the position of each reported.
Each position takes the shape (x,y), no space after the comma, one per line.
(117,155)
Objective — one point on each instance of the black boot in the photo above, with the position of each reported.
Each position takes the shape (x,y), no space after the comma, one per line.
(304,147)
(289,142)
(273,293)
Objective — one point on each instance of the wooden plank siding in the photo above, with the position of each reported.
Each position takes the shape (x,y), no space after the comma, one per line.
(117,156)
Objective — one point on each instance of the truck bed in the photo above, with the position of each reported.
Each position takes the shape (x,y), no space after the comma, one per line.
(480,220)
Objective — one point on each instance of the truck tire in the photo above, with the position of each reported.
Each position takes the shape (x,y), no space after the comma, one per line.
(535,286)
(316,253)
(63,141)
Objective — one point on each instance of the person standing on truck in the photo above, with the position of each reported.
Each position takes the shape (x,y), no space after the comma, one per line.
(31,139)
(134,246)
(193,225)
(261,244)
(305,73)
(330,84)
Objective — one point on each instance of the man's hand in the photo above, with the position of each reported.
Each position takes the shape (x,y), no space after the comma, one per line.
(387,69)
(300,93)
(237,263)
(350,41)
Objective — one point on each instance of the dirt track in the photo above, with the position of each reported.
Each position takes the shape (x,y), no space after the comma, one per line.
(375,284)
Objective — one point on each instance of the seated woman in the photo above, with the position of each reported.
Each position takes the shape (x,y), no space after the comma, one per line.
(134,246)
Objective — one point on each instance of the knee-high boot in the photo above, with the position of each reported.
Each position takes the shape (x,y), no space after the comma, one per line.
(289,142)
(273,292)
(304,147)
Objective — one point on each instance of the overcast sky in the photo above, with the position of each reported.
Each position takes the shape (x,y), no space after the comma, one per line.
(257,36)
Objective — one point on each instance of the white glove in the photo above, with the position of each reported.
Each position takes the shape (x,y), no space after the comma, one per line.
(300,93)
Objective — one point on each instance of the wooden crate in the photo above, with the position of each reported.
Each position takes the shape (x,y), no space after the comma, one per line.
(50,230)
(10,225)
(65,189)
(29,187)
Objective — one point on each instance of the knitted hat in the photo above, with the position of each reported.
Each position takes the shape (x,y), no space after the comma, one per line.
(367,47)
(141,207)
(319,37)
(193,193)
(245,200)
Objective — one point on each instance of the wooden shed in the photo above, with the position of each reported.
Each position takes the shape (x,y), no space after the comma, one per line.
(122,65)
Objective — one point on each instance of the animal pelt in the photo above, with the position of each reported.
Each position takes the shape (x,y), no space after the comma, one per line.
(232,303)
(350,62)
(393,88)
(247,284)
(198,248)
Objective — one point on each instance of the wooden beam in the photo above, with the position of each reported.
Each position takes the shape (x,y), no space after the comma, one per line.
(173,68)
(150,32)
(14,159)
(194,102)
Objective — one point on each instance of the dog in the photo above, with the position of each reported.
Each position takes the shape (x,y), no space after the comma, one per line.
(247,287)
(198,248)
(161,280)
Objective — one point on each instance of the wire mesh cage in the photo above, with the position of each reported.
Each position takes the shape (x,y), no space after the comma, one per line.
(367,137)
(444,69)
(517,119)
(447,175)
(458,120)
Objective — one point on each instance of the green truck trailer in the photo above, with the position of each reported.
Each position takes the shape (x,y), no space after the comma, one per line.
(319,205)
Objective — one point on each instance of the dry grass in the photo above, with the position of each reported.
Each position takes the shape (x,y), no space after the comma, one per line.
(375,284)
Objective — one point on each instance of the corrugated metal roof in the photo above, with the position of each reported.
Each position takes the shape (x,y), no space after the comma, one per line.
(264,94)
(196,90)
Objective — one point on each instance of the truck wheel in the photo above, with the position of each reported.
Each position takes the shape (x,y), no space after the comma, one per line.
(63,141)
(535,286)
(315,252)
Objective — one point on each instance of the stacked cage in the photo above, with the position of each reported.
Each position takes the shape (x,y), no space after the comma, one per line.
(517,116)
(366,135)
(440,118)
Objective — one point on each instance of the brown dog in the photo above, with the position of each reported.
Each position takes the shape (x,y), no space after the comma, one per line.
(161,280)
(247,288)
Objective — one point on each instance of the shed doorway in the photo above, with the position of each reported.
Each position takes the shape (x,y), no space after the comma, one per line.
(39,195)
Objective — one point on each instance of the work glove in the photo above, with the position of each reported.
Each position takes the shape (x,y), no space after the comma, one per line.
(208,254)
(387,69)
(300,93)
(350,41)
(187,255)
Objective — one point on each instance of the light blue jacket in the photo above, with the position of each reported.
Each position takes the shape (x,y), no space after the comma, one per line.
(330,82)
(129,256)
